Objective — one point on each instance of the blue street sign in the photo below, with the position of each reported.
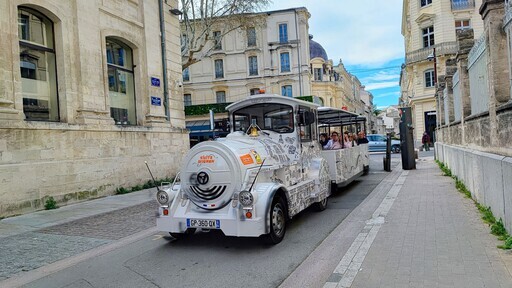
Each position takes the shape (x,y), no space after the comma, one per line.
(155,82)
(156,101)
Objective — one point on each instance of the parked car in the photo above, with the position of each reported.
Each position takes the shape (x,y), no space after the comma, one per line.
(377,143)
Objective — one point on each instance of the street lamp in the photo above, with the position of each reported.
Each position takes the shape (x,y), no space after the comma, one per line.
(432,57)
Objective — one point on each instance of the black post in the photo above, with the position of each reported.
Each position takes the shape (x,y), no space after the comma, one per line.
(407,139)
(387,160)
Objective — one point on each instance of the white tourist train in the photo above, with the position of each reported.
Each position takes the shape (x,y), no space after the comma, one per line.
(269,168)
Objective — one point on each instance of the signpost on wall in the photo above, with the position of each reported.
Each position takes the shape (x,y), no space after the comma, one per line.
(212,124)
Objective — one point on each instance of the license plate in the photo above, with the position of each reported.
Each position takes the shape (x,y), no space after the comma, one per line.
(203,223)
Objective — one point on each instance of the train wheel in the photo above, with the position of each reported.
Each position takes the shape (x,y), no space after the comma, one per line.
(277,221)
(321,205)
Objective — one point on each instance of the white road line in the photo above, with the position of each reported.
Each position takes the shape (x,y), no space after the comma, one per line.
(355,255)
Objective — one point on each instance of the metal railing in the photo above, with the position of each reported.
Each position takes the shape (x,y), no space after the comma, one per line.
(508,12)
(463,4)
(421,54)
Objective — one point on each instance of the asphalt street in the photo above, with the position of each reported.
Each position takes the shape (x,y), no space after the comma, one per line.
(204,259)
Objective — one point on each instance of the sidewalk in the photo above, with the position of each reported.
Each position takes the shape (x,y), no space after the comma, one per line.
(424,234)
(33,240)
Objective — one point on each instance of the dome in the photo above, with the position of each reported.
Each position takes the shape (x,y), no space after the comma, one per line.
(316,50)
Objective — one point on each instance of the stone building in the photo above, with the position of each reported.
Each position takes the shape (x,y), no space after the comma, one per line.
(278,56)
(87,94)
(429,24)
(475,111)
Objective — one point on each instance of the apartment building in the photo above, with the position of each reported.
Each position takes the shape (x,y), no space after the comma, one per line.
(86,97)
(277,56)
(429,25)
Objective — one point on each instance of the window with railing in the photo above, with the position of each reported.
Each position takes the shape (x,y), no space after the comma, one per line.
(253,66)
(428,36)
(463,4)
(219,68)
(285,62)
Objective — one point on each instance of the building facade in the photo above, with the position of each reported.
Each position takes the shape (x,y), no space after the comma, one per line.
(277,56)
(429,24)
(86,97)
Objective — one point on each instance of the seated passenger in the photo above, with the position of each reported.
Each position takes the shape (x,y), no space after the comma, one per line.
(362,138)
(347,142)
(334,143)
(323,139)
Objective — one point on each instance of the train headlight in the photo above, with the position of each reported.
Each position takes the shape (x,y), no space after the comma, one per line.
(246,198)
(162,197)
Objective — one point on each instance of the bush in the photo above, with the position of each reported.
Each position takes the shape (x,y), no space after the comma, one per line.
(50,204)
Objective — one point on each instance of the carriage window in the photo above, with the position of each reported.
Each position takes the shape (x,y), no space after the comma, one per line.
(274,117)
(306,127)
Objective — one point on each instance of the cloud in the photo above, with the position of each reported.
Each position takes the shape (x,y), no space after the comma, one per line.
(380,85)
(387,95)
(366,32)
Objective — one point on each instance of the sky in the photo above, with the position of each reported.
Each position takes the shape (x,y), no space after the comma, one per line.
(365,35)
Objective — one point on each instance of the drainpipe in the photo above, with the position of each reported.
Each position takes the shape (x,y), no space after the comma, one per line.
(164,58)
(298,53)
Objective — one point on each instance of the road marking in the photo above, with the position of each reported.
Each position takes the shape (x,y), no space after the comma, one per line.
(351,262)
(23,278)
(157,237)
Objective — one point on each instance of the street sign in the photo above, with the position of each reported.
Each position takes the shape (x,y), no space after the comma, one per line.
(155,82)
(156,101)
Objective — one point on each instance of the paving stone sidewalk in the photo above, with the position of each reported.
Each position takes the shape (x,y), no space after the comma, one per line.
(434,237)
(37,239)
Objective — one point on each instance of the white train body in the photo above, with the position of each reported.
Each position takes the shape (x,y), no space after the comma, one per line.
(234,183)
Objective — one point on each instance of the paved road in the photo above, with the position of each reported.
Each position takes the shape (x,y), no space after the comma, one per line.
(206,259)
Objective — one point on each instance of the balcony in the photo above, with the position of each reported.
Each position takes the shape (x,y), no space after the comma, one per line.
(462,4)
(421,54)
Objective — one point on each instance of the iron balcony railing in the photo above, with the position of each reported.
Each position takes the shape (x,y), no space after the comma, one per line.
(421,54)
(463,4)
(508,12)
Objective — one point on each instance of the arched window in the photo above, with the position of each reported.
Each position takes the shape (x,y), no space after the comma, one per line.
(37,66)
(121,84)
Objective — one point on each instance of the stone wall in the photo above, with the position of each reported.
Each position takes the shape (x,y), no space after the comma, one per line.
(478,148)
(488,176)
(86,155)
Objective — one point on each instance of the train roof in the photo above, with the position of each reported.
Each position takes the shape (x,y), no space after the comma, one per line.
(334,117)
(269,98)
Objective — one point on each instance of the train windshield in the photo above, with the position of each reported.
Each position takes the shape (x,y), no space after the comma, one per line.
(268,116)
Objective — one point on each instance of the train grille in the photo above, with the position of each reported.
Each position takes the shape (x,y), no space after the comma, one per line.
(208,194)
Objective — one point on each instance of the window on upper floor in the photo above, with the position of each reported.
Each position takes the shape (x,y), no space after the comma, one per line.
(121,84)
(251,36)
(462,24)
(38,67)
(429,78)
(217,40)
(186,74)
(254,91)
(219,68)
(285,62)
(428,36)
(253,65)
(424,3)
(286,90)
(221,96)
(187,99)
(318,74)
(283,33)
